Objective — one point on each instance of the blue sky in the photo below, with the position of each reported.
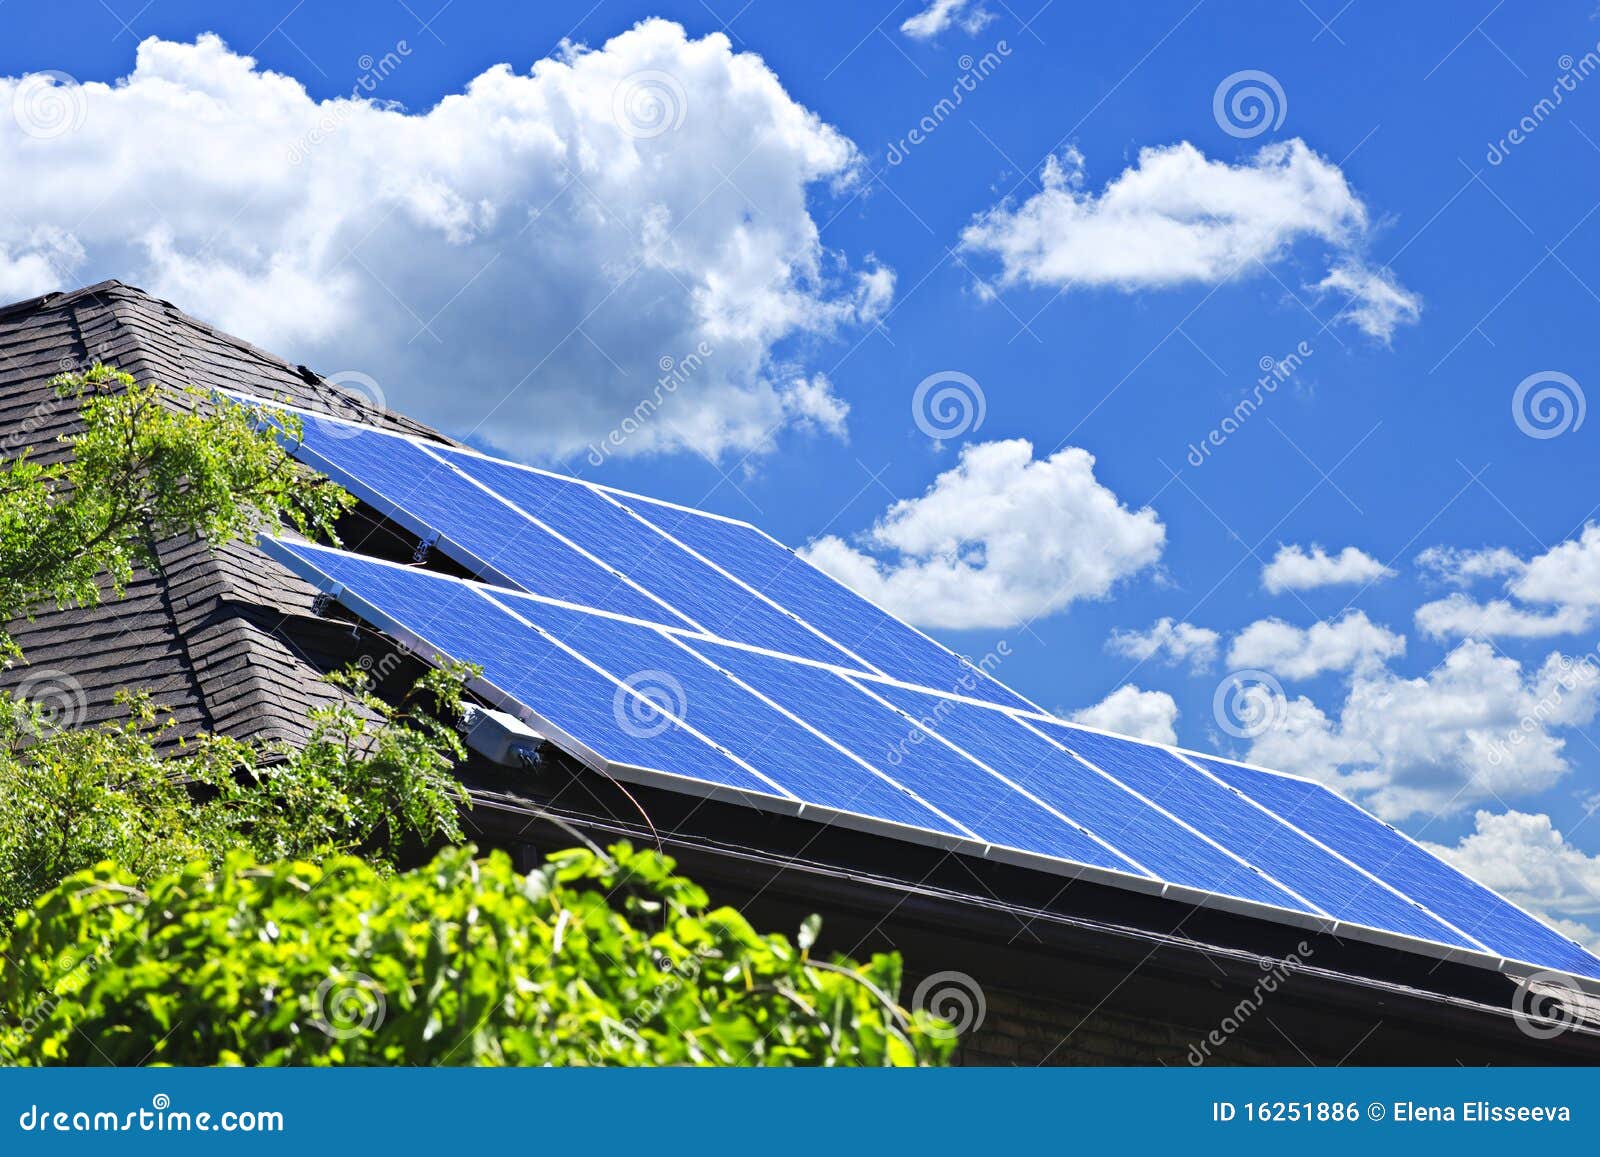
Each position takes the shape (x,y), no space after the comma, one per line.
(1095,241)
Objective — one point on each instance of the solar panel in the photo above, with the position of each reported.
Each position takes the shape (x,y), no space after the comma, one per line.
(693,652)
(680,708)
(761,561)
(716,603)
(556,536)
(1499,925)
(1249,830)
(468,523)
(1162,845)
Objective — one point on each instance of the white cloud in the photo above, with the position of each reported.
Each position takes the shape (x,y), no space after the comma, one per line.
(811,404)
(1129,711)
(1478,727)
(1376,303)
(1458,616)
(1350,643)
(1177,217)
(1448,564)
(941,14)
(1568,573)
(1176,642)
(1525,859)
(998,540)
(1563,583)
(523,254)
(1294,568)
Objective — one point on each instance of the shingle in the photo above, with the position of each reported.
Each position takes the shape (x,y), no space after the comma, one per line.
(224,638)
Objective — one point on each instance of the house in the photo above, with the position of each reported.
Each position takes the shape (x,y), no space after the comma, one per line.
(1041,969)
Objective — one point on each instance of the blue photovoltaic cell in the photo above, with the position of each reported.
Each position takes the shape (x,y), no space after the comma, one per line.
(1247,831)
(1167,849)
(953,784)
(462,625)
(638,550)
(438,498)
(724,712)
(1382,851)
(461,620)
(835,610)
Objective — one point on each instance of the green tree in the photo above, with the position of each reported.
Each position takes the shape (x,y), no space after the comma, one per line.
(371,778)
(595,959)
(204,908)
(143,469)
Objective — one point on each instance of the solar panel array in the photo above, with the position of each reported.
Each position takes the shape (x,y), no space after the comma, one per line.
(670,646)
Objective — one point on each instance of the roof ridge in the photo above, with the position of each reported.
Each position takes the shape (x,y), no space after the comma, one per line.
(116,297)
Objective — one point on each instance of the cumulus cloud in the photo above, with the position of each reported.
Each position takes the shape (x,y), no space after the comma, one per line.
(998,540)
(1350,643)
(1175,642)
(1375,303)
(1524,858)
(1177,217)
(940,15)
(1129,711)
(810,403)
(1568,573)
(1478,727)
(523,255)
(1562,584)
(1294,568)
(1458,616)
(1462,568)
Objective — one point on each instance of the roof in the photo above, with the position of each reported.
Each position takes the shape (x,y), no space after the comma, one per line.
(234,644)
(225,639)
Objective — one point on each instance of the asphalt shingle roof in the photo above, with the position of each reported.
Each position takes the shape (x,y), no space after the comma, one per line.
(225,639)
